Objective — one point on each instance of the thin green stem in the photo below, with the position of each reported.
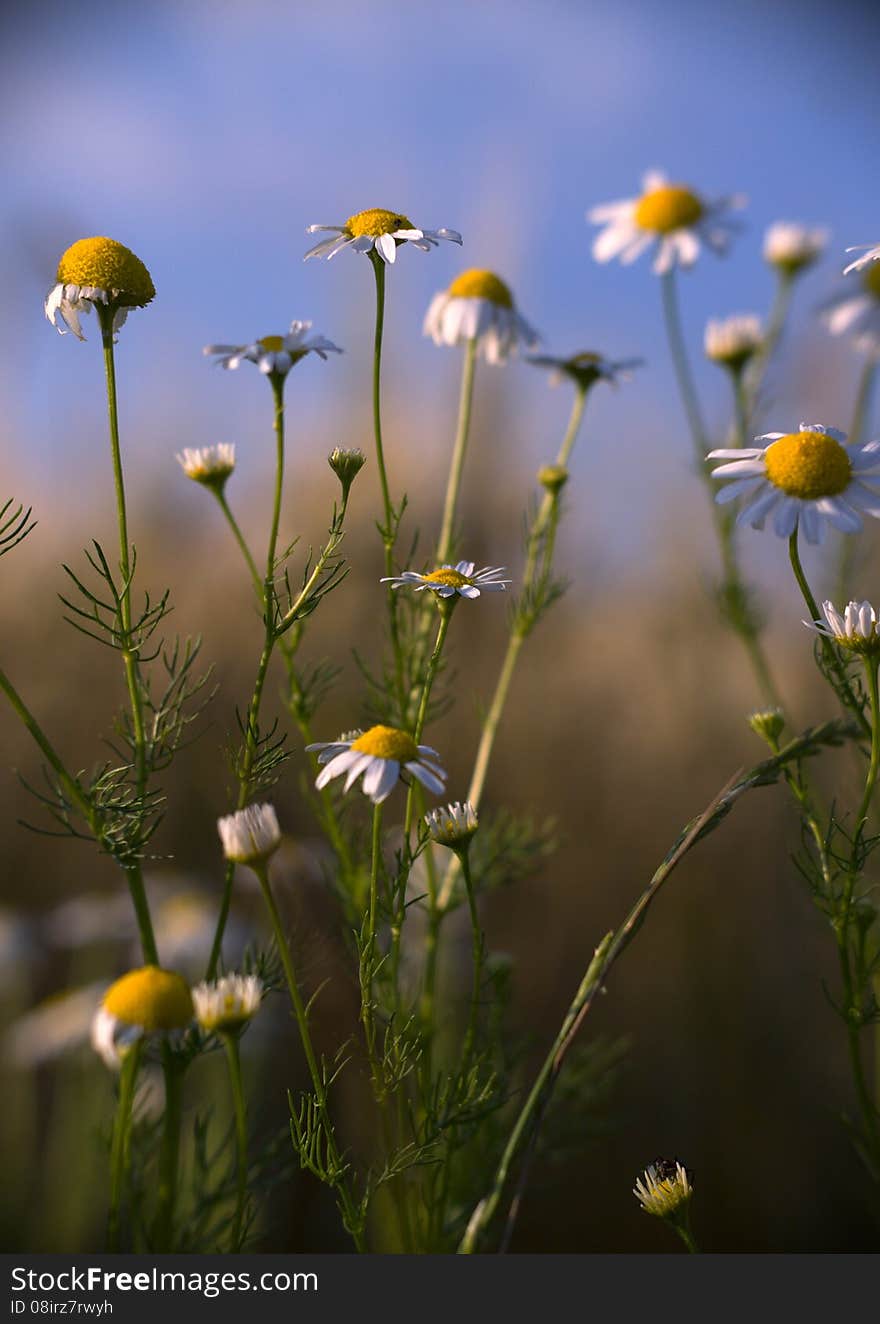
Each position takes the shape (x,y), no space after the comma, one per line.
(277,383)
(169,1152)
(233,1060)
(241,541)
(684,1232)
(832,660)
(119,1151)
(779,309)
(861,410)
(683,373)
(369,953)
(459,450)
(477,953)
(379,273)
(318,1084)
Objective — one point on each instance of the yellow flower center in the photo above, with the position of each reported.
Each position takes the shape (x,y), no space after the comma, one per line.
(451,578)
(151,998)
(669,208)
(274,344)
(375,221)
(106,265)
(871,279)
(386,742)
(808,465)
(479,284)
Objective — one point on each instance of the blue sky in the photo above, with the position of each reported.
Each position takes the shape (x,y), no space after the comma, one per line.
(207,135)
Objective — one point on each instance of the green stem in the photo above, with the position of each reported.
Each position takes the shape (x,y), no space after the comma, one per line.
(379,272)
(277,383)
(446,606)
(169,1153)
(757,369)
(459,450)
(477,952)
(241,541)
(681,365)
(367,1009)
(318,1084)
(119,1151)
(233,1059)
(684,1231)
(861,409)
(843,687)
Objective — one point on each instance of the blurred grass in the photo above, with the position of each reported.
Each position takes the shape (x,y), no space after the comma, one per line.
(626,716)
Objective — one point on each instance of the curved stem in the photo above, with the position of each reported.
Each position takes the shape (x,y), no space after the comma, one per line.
(681,365)
(447,528)
(119,1151)
(240,540)
(302,1020)
(277,384)
(843,687)
(233,1059)
(757,369)
(379,273)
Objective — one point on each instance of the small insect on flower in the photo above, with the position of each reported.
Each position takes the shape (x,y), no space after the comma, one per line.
(380,231)
(381,755)
(870,253)
(791,248)
(585,368)
(462,579)
(275,354)
(664,1188)
(144,1002)
(479,306)
(671,217)
(227,1004)
(855,630)
(250,836)
(732,341)
(209,465)
(804,478)
(453,825)
(97,271)
(855,310)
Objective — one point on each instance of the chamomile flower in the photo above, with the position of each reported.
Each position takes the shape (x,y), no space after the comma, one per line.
(791,248)
(462,579)
(208,465)
(870,253)
(380,755)
(855,310)
(479,306)
(453,825)
(144,1002)
(97,271)
(664,1188)
(227,1004)
(275,354)
(250,836)
(585,368)
(855,630)
(802,478)
(380,231)
(671,217)
(732,341)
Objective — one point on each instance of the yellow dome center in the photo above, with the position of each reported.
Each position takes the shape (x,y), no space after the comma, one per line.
(106,265)
(386,742)
(451,578)
(274,344)
(669,208)
(808,465)
(375,221)
(871,279)
(151,998)
(479,284)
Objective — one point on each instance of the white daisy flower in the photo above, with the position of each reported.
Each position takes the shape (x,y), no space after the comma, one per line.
(870,253)
(251,835)
(671,216)
(463,579)
(585,368)
(792,247)
(275,354)
(855,310)
(144,1002)
(57,1026)
(732,341)
(377,230)
(209,465)
(855,630)
(664,1187)
(453,825)
(97,271)
(479,306)
(802,478)
(379,754)
(228,1003)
